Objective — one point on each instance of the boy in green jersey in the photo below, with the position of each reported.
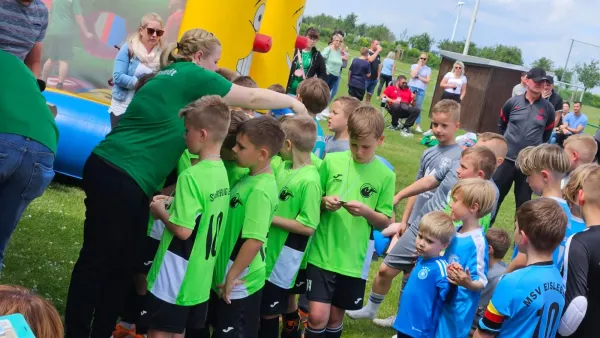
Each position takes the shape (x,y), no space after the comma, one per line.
(234,172)
(295,220)
(239,275)
(358,194)
(179,289)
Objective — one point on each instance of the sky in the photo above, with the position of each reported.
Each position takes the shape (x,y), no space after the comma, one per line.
(538,27)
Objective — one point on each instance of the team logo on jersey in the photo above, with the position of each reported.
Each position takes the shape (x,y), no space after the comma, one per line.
(453,259)
(235,201)
(367,190)
(338,177)
(285,194)
(423,273)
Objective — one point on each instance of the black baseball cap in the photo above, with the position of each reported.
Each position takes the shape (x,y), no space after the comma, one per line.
(537,74)
(550,79)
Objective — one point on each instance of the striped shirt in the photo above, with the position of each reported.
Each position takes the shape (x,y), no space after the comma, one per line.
(21,26)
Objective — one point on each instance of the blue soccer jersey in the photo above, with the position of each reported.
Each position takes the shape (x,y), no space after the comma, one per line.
(422,298)
(319,148)
(558,256)
(527,303)
(470,250)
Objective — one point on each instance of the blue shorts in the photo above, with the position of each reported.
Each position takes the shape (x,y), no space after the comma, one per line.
(370,85)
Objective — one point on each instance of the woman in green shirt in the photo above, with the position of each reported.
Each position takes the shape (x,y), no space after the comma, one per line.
(127,168)
(333,60)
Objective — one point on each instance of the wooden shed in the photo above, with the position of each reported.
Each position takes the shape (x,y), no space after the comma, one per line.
(489,85)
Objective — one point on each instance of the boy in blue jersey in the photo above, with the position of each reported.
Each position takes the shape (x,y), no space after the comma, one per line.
(545,166)
(467,255)
(427,288)
(529,302)
(314,94)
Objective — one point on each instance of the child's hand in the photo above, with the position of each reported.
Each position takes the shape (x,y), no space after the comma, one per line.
(401,229)
(157,207)
(332,203)
(225,289)
(355,208)
(460,277)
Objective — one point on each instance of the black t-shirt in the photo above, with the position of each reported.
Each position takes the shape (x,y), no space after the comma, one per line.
(374,66)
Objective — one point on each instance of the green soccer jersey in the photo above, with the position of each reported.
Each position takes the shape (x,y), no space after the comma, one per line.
(484,221)
(341,241)
(185,161)
(299,199)
(149,140)
(179,274)
(252,204)
(234,173)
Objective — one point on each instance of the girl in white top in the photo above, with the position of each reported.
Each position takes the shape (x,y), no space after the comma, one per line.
(455,83)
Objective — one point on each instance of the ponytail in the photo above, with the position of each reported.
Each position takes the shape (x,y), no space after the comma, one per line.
(191,42)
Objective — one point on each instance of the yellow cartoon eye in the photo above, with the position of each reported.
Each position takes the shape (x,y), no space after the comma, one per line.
(258,17)
(299,23)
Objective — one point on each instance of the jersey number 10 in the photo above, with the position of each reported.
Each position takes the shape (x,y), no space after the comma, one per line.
(552,317)
(213,234)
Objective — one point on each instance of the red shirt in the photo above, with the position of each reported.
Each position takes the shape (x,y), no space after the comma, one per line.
(393,92)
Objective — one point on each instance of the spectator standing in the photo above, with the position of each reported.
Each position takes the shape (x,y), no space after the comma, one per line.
(420,75)
(455,83)
(373,77)
(525,120)
(573,123)
(22,29)
(388,69)
(520,88)
(333,60)
(307,63)
(359,71)
(551,95)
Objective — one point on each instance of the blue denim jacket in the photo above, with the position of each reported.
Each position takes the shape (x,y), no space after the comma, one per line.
(123,73)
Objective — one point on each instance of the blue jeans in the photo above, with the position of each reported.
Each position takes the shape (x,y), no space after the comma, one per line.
(420,98)
(26,170)
(335,88)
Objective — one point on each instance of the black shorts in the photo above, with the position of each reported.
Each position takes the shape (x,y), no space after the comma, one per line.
(332,288)
(239,319)
(358,93)
(300,285)
(274,300)
(167,317)
(145,256)
(59,47)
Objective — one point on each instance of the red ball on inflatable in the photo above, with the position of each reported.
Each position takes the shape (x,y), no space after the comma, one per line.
(262,43)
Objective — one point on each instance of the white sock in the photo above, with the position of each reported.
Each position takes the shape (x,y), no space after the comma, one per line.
(374,302)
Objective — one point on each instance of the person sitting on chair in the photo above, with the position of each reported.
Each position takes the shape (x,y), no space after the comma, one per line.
(400,102)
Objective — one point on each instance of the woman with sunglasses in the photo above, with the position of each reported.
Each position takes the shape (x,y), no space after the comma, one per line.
(455,83)
(420,75)
(306,63)
(138,56)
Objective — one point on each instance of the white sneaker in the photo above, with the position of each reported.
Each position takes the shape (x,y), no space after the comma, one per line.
(418,129)
(406,133)
(428,133)
(388,322)
(361,314)
(395,336)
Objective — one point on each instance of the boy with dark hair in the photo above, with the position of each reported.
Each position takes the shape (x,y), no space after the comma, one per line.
(179,291)
(314,94)
(358,195)
(234,172)
(341,108)
(529,302)
(295,220)
(239,274)
(248,82)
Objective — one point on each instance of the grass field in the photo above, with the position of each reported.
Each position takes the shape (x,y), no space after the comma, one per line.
(46,243)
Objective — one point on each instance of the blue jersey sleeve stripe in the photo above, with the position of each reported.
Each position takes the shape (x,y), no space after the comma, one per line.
(481,248)
(442,270)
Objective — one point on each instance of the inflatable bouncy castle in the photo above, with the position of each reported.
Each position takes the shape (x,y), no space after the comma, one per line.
(258,38)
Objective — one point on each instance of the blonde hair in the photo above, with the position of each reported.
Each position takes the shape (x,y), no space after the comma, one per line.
(210,113)
(437,224)
(476,191)
(301,131)
(364,51)
(447,106)
(576,180)
(482,158)
(349,104)
(497,144)
(191,42)
(365,121)
(585,145)
(39,313)
(551,157)
(462,67)
(391,55)
(544,222)
(590,189)
(135,36)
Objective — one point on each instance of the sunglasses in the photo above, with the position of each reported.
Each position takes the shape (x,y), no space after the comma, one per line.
(457,67)
(151,31)
(313,38)
(402,83)
(423,59)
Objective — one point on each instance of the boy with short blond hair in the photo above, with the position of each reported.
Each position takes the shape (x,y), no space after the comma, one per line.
(314,94)
(530,301)
(581,260)
(177,284)
(296,218)
(467,255)
(428,288)
(358,195)
(580,149)
(571,194)
(341,108)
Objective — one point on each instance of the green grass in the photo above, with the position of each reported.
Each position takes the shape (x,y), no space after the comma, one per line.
(46,243)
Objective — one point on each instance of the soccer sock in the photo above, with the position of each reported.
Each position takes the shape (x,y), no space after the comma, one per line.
(269,328)
(374,302)
(291,325)
(314,333)
(334,332)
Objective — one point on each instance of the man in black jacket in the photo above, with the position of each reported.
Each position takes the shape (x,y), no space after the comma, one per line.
(551,95)
(311,60)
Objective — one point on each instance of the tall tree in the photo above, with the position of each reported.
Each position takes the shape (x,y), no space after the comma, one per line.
(564,75)
(349,22)
(544,63)
(589,74)
(502,53)
(421,42)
